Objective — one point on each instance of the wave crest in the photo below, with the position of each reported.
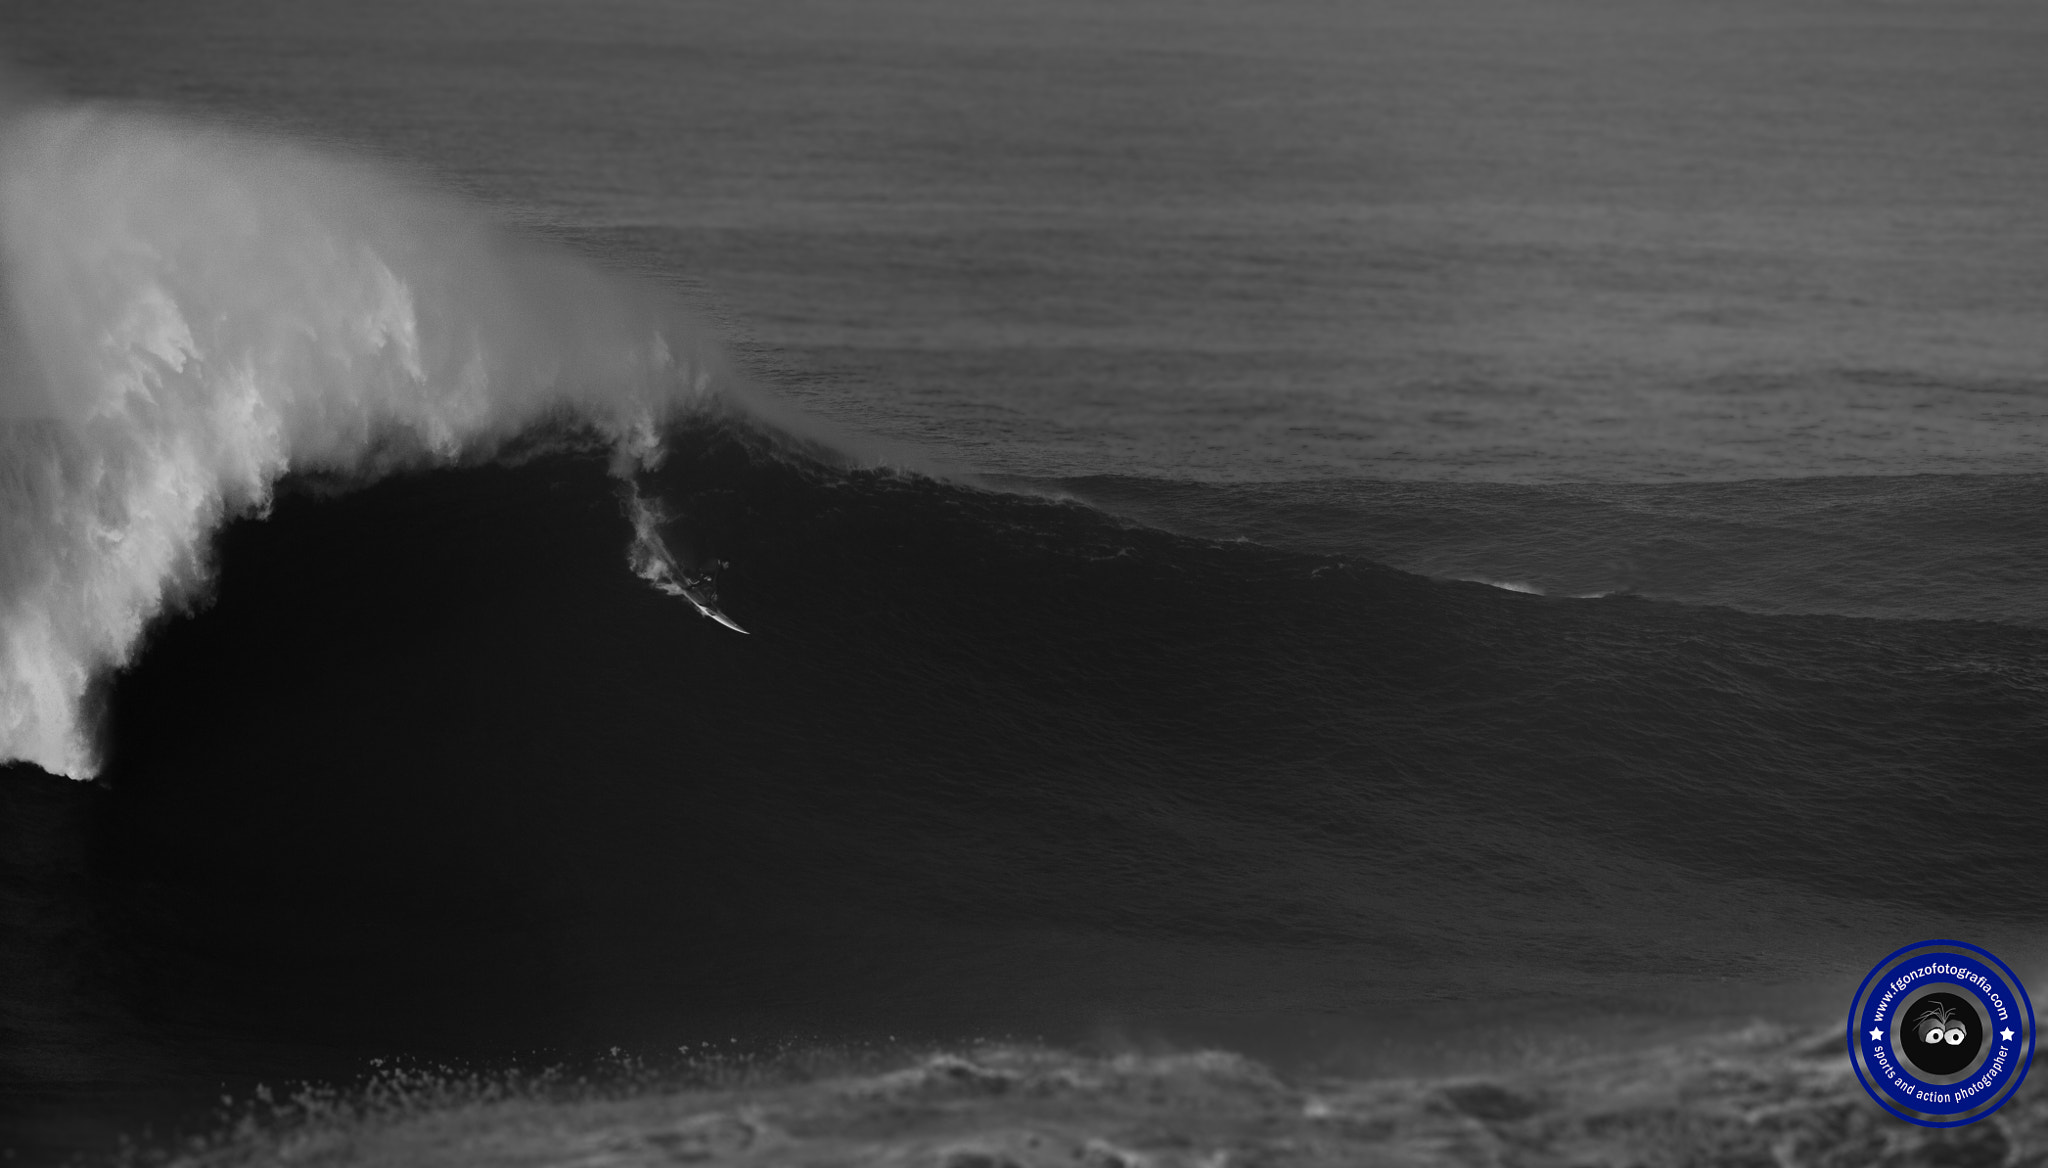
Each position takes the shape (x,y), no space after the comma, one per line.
(190,313)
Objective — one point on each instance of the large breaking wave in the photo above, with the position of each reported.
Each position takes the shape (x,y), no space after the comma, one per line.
(191,312)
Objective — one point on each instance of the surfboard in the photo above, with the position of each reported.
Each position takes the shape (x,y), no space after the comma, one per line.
(707,608)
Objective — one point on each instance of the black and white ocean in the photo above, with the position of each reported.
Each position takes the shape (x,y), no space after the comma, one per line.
(1397,583)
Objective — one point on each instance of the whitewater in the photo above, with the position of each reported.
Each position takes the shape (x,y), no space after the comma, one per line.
(191,313)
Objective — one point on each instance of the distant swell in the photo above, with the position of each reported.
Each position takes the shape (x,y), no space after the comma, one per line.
(190,313)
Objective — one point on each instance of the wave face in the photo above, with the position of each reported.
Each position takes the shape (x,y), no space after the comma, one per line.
(191,313)
(432,773)
(433,769)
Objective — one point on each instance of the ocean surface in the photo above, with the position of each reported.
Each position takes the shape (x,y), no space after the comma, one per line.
(1323,583)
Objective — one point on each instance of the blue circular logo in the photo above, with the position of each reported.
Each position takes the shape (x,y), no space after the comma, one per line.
(1941,1033)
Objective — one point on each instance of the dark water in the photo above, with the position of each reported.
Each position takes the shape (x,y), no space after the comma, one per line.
(432,772)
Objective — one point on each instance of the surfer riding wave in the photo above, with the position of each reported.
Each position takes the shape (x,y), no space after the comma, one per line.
(653,562)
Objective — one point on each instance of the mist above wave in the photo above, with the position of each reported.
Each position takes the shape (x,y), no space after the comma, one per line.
(187,313)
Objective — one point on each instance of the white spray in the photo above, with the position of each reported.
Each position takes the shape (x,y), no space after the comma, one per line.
(189,313)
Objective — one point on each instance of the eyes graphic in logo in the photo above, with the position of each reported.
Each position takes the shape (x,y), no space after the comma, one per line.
(1942,1033)
(1939,1024)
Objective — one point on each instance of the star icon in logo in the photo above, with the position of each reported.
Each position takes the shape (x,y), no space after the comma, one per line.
(2006,1034)
(1876,1034)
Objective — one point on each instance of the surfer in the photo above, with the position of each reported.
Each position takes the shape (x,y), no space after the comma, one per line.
(705,583)
(701,589)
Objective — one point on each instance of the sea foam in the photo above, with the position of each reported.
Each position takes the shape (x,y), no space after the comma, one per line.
(190,312)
